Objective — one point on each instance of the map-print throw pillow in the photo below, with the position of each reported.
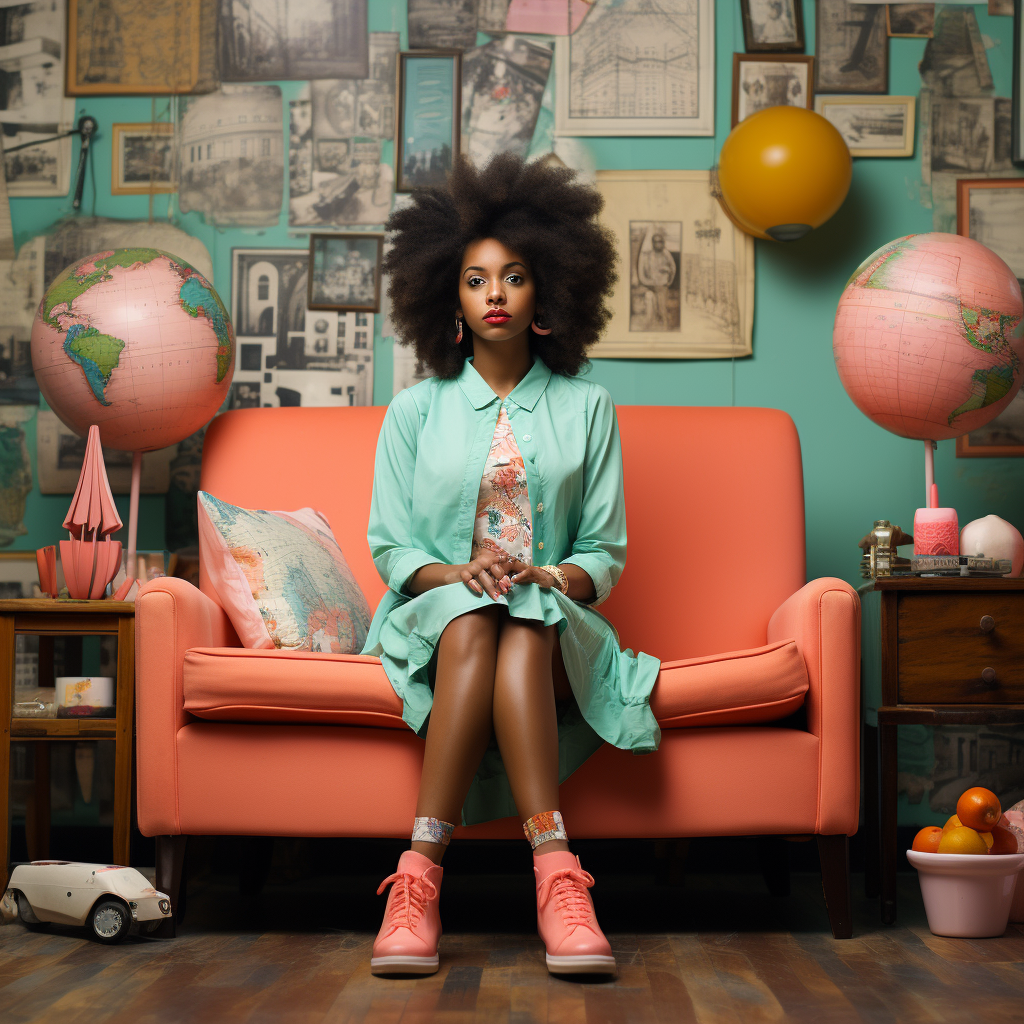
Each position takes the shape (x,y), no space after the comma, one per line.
(281,578)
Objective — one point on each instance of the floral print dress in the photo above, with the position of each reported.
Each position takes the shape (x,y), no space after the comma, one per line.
(503,523)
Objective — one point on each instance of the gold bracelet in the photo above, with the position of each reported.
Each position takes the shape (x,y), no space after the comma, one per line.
(560,578)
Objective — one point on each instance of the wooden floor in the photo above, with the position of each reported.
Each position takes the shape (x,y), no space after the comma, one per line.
(717,949)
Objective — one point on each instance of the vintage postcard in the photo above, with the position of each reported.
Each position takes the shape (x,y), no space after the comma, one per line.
(954,61)
(60,452)
(686,274)
(429,117)
(762,80)
(603,89)
(546,17)
(122,46)
(883,126)
(142,158)
(288,354)
(773,26)
(852,47)
(442,24)
(910,21)
(502,88)
(262,40)
(21,289)
(345,107)
(231,155)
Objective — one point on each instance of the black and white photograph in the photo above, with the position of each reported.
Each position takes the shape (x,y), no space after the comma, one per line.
(344,272)
(491,15)
(231,155)
(773,26)
(33,107)
(407,368)
(852,51)
(142,158)
(334,182)
(963,134)
(288,354)
(655,251)
(955,62)
(882,126)
(345,107)
(279,39)
(502,88)
(762,80)
(442,24)
(910,21)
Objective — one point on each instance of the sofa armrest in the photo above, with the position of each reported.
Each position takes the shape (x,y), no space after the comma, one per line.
(171,617)
(824,618)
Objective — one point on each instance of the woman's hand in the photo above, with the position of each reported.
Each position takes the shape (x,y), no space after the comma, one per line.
(488,573)
(523,573)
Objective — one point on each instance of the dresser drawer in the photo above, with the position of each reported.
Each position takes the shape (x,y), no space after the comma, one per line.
(961,647)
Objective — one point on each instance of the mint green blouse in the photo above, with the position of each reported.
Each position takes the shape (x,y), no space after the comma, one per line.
(430,458)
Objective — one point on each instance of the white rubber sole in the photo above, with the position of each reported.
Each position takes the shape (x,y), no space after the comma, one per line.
(404,964)
(580,964)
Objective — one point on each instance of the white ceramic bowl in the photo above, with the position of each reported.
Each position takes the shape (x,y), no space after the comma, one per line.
(967,896)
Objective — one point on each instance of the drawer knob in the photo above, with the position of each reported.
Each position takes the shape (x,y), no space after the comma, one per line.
(987,623)
(988,674)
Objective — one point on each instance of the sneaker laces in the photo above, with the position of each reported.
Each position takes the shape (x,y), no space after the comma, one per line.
(408,900)
(568,888)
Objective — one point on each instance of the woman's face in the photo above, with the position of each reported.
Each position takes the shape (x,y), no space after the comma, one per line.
(497,296)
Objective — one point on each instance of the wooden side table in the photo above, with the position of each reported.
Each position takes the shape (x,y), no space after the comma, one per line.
(952,654)
(53,618)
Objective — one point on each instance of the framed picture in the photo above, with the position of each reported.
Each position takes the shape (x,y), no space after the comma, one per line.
(852,47)
(344,272)
(773,26)
(429,116)
(1017,122)
(910,21)
(142,159)
(638,69)
(991,211)
(762,80)
(881,126)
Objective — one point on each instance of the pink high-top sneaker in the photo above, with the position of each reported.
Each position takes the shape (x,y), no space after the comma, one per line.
(407,940)
(565,917)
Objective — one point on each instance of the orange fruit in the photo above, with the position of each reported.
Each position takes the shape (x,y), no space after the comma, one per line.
(1003,841)
(989,839)
(978,808)
(927,840)
(952,822)
(962,840)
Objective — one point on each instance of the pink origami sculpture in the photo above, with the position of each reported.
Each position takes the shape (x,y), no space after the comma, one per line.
(90,559)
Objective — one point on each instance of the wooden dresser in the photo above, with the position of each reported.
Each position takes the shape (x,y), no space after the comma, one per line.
(952,652)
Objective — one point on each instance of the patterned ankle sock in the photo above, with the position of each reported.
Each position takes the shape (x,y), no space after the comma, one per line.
(544,826)
(431,830)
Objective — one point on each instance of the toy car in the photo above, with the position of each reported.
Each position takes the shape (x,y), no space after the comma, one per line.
(107,899)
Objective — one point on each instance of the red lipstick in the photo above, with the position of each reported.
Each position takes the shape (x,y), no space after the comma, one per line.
(497,317)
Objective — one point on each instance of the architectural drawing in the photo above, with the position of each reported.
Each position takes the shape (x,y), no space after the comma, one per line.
(638,67)
(686,274)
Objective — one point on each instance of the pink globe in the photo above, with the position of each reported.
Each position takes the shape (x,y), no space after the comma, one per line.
(929,336)
(137,342)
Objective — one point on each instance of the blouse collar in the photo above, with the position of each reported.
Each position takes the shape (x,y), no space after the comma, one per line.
(525,394)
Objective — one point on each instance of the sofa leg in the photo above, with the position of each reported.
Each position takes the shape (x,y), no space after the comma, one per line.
(773,859)
(170,863)
(834,853)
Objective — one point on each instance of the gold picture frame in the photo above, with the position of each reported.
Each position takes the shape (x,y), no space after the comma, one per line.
(142,158)
(858,135)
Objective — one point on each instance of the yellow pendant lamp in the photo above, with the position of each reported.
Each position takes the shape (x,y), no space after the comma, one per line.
(783,172)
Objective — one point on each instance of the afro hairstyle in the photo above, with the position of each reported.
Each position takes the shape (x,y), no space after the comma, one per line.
(537,211)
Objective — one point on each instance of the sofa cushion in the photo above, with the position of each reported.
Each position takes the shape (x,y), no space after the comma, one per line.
(235,684)
(282,578)
(737,688)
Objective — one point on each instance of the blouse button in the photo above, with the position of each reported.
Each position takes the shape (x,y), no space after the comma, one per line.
(540,545)
(527,437)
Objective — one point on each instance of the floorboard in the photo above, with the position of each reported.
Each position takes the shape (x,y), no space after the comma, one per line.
(715,950)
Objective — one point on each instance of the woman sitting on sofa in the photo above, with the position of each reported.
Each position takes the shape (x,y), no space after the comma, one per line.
(498,523)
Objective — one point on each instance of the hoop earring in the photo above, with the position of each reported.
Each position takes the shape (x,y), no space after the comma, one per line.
(538,325)
(458,330)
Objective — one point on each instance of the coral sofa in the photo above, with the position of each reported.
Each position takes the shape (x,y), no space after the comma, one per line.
(758,694)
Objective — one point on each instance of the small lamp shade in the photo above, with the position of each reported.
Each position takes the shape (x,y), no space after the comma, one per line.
(783,172)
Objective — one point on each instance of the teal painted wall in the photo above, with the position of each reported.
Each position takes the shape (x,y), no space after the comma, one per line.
(854,471)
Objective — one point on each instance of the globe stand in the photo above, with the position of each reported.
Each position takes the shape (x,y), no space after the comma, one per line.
(133,513)
(929,474)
